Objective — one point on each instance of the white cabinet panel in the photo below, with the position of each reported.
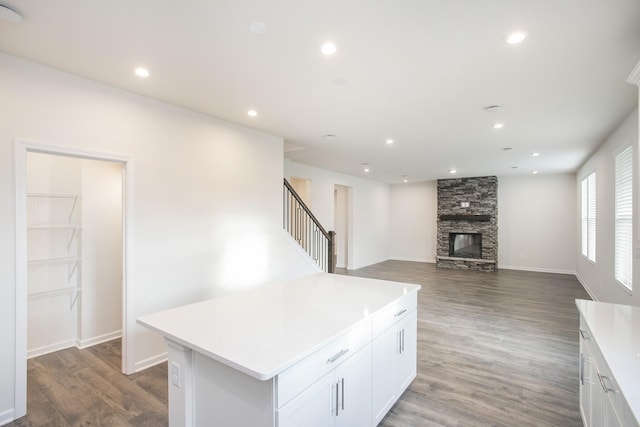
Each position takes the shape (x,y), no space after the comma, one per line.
(353,384)
(310,408)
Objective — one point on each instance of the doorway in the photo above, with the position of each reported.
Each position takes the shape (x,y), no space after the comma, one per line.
(58,221)
(342,224)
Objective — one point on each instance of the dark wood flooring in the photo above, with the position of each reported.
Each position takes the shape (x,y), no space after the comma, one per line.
(494,349)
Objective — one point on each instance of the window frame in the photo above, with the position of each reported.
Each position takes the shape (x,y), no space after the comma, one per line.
(588,216)
(624,202)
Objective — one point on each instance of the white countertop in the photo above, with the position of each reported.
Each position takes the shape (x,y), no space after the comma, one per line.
(264,331)
(616,330)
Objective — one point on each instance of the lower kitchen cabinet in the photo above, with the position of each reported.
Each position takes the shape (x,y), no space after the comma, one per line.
(339,399)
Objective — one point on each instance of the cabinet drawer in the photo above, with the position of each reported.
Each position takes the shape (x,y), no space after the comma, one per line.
(306,372)
(608,382)
(394,312)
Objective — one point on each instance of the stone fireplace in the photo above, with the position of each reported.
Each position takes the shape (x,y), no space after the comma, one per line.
(468,223)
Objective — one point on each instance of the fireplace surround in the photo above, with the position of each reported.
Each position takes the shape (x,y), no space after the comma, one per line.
(468,207)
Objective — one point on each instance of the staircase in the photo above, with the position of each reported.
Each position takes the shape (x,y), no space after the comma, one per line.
(305,228)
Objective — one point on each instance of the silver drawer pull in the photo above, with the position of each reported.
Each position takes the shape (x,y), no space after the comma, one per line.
(337,355)
(401,312)
(601,378)
(584,335)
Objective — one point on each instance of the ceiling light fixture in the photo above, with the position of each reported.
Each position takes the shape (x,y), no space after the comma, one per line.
(7,14)
(405,180)
(252,113)
(535,172)
(498,125)
(516,37)
(492,108)
(452,171)
(142,72)
(328,49)
(535,154)
(367,169)
(389,141)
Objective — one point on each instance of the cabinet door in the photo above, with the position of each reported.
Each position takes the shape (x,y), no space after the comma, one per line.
(310,408)
(384,353)
(406,360)
(585,380)
(596,415)
(352,405)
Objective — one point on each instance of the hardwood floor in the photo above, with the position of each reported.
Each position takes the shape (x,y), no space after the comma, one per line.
(494,349)
(85,388)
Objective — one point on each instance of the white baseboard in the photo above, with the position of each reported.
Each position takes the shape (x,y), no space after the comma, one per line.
(82,344)
(151,361)
(41,351)
(426,260)
(7,416)
(586,288)
(535,269)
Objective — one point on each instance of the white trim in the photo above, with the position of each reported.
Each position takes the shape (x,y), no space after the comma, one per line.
(586,288)
(536,269)
(21,148)
(634,77)
(89,342)
(151,361)
(51,348)
(7,416)
(301,251)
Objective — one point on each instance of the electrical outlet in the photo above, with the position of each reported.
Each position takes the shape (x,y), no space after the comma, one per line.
(175,374)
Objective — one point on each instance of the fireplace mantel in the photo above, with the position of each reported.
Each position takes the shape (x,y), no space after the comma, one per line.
(465,217)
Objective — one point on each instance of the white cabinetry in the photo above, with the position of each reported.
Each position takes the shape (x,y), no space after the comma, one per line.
(602,403)
(307,362)
(339,399)
(394,357)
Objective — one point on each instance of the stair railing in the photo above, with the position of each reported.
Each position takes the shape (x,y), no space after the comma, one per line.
(305,228)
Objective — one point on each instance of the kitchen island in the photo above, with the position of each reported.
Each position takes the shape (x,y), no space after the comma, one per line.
(322,350)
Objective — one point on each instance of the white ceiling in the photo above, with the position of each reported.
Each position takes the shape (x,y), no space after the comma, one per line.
(417,71)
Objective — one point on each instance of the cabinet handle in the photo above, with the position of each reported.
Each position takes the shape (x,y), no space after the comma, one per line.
(582,368)
(337,406)
(585,335)
(403,340)
(400,313)
(601,378)
(342,394)
(399,342)
(337,355)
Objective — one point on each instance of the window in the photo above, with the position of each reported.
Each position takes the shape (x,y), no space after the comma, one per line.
(589,217)
(624,213)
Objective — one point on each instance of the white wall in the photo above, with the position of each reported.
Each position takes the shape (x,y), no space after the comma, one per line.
(369,224)
(207,196)
(413,221)
(536,223)
(101,299)
(599,278)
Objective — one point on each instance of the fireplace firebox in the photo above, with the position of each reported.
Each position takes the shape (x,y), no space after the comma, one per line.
(465,245)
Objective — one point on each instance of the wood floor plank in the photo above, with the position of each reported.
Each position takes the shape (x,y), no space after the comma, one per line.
(494,349)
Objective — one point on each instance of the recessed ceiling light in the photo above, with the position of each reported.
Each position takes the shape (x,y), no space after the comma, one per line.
(534,172)
(452,171)
(389,141)
(516,37)
(258,28)
(252,113)
(498,125)
(405,180)
(492,108)
(367,169)
(535,154)
(142,72)
(328,49)
(7,14)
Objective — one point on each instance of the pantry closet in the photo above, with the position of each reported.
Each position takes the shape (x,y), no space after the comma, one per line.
(74,252)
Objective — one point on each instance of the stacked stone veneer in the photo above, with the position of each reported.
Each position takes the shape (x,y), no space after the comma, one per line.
(482,195)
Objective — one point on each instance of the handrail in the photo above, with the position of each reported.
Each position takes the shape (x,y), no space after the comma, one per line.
(305,228)
(306,208)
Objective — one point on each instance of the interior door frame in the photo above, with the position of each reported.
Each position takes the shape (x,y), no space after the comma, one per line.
(22,147)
